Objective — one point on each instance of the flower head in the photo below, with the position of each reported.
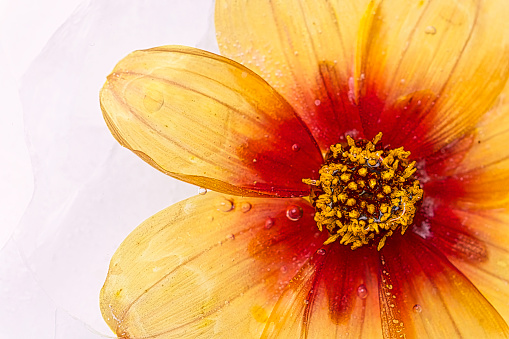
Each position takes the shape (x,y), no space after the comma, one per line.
(357,150)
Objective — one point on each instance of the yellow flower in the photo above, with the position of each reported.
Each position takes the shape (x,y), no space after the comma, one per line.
(358,151)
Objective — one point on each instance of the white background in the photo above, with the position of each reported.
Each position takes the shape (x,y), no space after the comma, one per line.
(69,194)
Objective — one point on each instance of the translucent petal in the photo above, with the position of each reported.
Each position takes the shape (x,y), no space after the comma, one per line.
(473,172)
(209,265)
(446,60)
(333,296)
(209,121)
(306,50)
(478,244)
(423,294)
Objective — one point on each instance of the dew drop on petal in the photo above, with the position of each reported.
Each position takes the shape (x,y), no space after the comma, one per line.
(225,205)
(430,30)
(417,308)
(245,207)
(306,301)
(293,212)
(362,291)
(283,269)
(317,102)
(153,100)
(202,191)
(295,147)
(230,236)
(269,223)
(321,251)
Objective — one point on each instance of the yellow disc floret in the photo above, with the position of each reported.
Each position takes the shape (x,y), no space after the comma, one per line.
(365,192)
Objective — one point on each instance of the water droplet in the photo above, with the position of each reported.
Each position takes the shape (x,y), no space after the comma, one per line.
(225,205)
(202,191)
(321,251)
(153,100)
(283,269)
(269,223)
(430,30)
(317,102)
(230,236)
(362,291)
(306,301)
(245,207)
(417,308)
(244,74)
(295,147)
(294,212)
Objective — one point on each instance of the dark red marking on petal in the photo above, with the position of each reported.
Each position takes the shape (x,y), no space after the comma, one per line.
(407,122)
(452,237)
(445,161)
(343,272)
(448,189)
(371,107)
(286,241)
(336,113)
(414,272)
(280,170)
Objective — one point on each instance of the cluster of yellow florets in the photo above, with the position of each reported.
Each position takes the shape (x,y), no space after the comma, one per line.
(365,192)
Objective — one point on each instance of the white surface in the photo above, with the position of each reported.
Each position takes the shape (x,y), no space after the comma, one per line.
(88,192)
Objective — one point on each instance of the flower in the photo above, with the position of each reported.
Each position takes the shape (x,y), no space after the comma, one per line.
(361,187)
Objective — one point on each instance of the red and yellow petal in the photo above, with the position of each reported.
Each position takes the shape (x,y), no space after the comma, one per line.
(208,266)
(432,69)
(423,295)
(477,242)
(474,171)
(334,295)
(306,50)
(209,121)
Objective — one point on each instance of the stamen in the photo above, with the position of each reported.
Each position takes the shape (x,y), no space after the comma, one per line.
(365,193)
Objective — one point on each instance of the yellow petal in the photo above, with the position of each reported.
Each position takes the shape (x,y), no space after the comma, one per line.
(209,121)
(458,51)
(305,50)
(478,244)
(209,266)
(423,295)
(334,295)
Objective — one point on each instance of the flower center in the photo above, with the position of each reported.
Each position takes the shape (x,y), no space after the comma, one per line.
(365,192)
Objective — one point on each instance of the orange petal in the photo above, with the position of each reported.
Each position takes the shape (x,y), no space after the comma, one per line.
(208,266)
(423,295)
(333,295)
(473,172)
(456,51)
(209,121)
(478,244)
(305,50)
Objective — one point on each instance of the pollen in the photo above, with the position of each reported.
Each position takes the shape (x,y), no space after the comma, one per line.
(365,193)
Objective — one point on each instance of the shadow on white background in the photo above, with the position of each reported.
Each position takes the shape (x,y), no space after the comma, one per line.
(84,192)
